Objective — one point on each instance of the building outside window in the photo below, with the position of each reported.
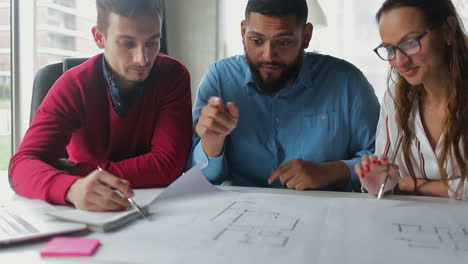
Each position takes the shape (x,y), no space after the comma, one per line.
(60,19)
(5,87)
(61,28)
(66,3)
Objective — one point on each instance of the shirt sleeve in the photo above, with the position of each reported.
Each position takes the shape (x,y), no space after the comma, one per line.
(364,109)
(214,168)
(31,170)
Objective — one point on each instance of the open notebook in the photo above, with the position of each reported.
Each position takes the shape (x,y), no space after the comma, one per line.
(106,221)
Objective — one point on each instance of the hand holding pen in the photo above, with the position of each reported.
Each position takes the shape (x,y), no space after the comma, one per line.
(96,192)
(379,176)
(395,153)
(140,210)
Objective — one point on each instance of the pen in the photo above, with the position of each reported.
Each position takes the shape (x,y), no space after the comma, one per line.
(141,211)
(382,187)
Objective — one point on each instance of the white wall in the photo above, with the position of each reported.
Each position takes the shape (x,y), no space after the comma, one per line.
(192,35)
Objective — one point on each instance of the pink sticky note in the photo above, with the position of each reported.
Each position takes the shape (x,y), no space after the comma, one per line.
(70,246)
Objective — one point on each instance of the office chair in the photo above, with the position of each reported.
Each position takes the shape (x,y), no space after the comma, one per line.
(46,77)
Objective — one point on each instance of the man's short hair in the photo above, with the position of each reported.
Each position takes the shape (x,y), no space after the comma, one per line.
(126,8)
(278,8)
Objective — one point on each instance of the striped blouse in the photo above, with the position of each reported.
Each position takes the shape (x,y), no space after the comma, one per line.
(423,157)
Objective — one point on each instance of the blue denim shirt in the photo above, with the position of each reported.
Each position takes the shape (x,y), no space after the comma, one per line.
(122,105)
(328,113)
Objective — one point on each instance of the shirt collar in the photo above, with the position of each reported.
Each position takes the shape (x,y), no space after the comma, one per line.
(122,105)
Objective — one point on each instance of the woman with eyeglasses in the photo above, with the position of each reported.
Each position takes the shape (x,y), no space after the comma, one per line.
(422,135)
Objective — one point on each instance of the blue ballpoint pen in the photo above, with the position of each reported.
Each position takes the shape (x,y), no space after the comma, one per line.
(140,210)
(382,187)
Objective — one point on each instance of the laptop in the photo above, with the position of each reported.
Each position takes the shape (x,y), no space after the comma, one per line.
(19,223)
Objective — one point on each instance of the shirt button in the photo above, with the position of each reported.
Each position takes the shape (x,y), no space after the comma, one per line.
(277,121)
(323,117)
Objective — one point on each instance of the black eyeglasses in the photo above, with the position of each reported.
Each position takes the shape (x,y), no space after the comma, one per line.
(408,47)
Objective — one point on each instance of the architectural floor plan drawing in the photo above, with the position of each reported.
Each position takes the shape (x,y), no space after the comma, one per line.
(197,222)
(244,223)
(432,237)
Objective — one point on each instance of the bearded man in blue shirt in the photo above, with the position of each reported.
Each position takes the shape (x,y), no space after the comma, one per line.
(279,116)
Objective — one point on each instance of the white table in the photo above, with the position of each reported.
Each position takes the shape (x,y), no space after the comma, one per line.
(29,252)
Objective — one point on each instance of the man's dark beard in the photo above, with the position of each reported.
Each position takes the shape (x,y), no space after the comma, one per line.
(271,86)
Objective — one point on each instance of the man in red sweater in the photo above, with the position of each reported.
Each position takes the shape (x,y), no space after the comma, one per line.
(127,111)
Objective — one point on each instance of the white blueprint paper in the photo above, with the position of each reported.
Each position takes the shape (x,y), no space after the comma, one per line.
(206,225)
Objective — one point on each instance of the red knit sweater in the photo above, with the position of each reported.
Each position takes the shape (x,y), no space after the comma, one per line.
(149,147)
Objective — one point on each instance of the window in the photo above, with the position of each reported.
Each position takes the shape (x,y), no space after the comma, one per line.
(60,19)
(66,3)
(49,30)
(59,41)
(351,33)
(462,7)
(46,32)
(64,30)
(5,87)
